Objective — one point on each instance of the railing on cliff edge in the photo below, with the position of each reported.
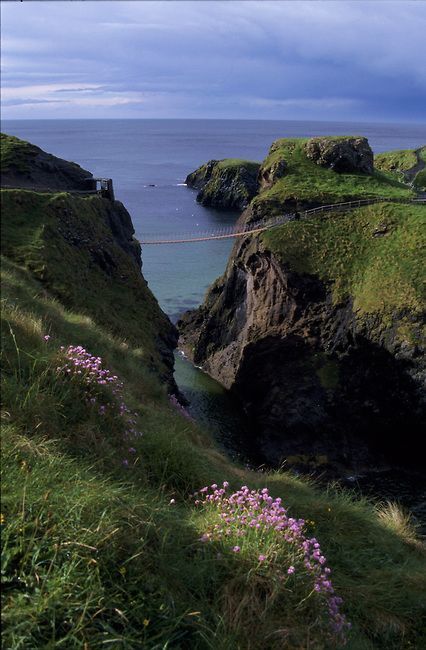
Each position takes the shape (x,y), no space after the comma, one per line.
(261,225)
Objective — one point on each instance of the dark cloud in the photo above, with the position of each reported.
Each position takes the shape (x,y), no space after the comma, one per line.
(271,60)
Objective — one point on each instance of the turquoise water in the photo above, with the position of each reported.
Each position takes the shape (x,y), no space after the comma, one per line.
(148,161)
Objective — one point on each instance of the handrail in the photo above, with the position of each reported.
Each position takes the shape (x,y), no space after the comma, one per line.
(266,223)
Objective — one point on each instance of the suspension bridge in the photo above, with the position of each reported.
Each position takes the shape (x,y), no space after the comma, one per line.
(254,227)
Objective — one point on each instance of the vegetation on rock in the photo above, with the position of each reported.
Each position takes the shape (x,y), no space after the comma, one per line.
(407,165)
(306,184)
(25,165)
(83,251)
(228,184)
(370,254)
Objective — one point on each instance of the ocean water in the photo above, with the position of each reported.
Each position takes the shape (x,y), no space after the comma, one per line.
(148,161)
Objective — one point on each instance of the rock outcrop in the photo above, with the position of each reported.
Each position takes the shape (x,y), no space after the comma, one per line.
(317,371)
(342,154)
(225,184)
(270,173)
(26,165)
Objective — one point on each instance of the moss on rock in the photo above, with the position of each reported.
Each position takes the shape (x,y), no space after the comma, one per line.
(228,184)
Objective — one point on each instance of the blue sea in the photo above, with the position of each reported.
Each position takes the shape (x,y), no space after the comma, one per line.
(148,161)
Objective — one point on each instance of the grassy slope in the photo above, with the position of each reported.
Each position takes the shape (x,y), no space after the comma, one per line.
(15,153)
(229,163)
(401,159)
(66,241)
(395,163)
(307,181)
(94,552)
(382,273)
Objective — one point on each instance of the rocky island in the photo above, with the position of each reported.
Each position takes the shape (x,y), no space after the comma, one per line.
(317,326)
(227,184)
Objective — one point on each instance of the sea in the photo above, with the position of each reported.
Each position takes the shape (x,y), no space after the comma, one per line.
(148,161)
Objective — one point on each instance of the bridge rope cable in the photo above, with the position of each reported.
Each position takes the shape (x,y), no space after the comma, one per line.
(266,223)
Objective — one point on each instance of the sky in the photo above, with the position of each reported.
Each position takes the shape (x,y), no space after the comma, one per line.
(355,60)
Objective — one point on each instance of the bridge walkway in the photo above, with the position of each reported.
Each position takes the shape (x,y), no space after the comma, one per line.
(261,225)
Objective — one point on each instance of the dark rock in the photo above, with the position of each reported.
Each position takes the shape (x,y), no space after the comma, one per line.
(346,154)
(202,175)
(309,373)
(270,174)
(225,186)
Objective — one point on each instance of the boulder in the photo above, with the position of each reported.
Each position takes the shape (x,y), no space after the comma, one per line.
(345,154)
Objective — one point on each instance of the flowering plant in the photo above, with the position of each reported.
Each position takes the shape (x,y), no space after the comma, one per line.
(252,519)
(102,389)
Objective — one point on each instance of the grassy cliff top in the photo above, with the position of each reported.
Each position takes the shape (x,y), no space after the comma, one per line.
(371,254)
(16,153)
(401,159)
(26,165)
(230,163)
(67,243)
(399,164)
(305,181)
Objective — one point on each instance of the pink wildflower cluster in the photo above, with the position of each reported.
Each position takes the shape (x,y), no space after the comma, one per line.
(247,511)
(88,368)
(175,402)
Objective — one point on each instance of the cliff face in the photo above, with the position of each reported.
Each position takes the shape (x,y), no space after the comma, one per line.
(228,184)
(317,328)
(83,251)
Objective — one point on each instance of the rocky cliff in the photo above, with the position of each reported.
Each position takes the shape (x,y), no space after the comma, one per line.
(83,251)
(317,327)
(228,184)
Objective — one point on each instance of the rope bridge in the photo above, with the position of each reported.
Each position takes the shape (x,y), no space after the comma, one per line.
(239,230)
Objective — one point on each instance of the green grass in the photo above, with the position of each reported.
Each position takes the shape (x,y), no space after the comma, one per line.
(395,163)
(230,163)
(16,154)
(420,180)
(381,273)
(401,160)
(305,182)
(94,554)
(66,243)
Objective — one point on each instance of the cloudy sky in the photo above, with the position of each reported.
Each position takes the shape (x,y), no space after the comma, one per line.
(282,59)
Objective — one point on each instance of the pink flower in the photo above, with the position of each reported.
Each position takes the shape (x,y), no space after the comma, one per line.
(262,558)
(236,549)
(46,337)
(291,570)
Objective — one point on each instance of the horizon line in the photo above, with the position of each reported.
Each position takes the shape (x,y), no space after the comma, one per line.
(201,119)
